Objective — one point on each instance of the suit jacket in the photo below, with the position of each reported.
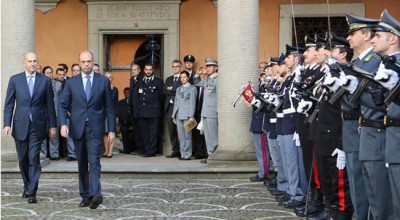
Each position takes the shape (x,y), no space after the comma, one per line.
(40,105)
(57,89)
(148,98)
(170,88)
(132,88)
(124,113)
(185,103)
(99,108)
(210,108)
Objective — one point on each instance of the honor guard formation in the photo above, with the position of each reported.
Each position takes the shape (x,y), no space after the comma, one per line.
(328,115)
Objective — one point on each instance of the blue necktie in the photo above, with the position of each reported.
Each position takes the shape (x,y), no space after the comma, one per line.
(88,88)
(30,85)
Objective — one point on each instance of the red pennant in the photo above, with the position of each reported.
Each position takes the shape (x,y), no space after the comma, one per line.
(248,93)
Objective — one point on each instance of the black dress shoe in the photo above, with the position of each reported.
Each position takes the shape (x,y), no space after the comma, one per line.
(71,159)
(32,199)
(85,202)
(54,158)
(203,161)
(294,203)
(173,154)
(187,158)
(24,194)
(148,155)
(256,179)
(277,192)
(180,158)
(96,201)
(198,157)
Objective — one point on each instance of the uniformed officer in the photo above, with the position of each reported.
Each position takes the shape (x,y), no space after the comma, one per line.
(387,42)
(189,60)
(372,132)
(209,111)
(147,103)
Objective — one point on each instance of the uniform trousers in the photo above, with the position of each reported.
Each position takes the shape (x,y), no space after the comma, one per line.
(185,139)
(261,154)
(137,136)
(394,178)
(281,179)
(273,151)
(294,169)
(149,132)
(281,163)
(128,141)
(210,126)
(376,178)
(28,152)
(334,183)
(88,150)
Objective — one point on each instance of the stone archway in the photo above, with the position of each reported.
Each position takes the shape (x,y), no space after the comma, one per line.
(134,17)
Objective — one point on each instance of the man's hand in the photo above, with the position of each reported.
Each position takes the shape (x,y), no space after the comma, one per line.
(111,137)
(296,139)
(349,82)
(52,132)
(341,158)
(64,131)
(7,130)
(387,78)
(174,120)
(297,73)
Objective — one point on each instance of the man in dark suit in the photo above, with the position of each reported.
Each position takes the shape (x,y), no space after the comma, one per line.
(125,124)
(88,99)
(147,102)
(135,81)
(170,86)
(32,96)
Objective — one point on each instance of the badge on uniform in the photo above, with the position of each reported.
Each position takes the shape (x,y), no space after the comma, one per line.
(169,88)
(140,91)
(153,88)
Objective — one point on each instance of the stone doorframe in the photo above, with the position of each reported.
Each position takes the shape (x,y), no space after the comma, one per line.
(134,17)
(311,10)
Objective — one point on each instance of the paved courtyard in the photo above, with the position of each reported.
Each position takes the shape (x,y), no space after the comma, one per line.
(145,199)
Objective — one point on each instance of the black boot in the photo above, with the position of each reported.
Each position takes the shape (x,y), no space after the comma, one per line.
(343,215)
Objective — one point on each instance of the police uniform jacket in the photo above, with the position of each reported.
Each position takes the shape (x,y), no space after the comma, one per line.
(289,108)
(148,98)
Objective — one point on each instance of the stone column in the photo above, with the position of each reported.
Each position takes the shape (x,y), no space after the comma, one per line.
(17,37)
(238,63)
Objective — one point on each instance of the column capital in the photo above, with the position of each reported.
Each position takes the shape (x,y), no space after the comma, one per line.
(46,5)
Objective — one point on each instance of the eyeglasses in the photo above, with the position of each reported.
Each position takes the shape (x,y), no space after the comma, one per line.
(175,66)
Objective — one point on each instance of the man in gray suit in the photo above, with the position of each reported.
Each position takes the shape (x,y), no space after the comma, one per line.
(209,113)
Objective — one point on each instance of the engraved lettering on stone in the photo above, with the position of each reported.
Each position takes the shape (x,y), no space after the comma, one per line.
(141,11)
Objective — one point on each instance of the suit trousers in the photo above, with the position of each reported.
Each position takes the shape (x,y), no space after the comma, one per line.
(199,143)
(54,144)
(357,186)
(261,154)
(150,130)
(376,178)
(211,134)
(128,141)
(88,151)
(172,130)
(70,145)
(294,168)
(185,139)
(29,160)
(394,178)
(137,136)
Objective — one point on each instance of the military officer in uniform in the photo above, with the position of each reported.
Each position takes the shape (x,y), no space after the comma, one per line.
(209,111)
(372,131)
(147,105)
(171,85)
(387,42)
(189,60)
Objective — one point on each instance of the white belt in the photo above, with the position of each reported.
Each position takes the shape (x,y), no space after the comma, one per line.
(279,115)
(272,120)
(289,111)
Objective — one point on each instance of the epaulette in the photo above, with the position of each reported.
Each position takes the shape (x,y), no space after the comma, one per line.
(372,55)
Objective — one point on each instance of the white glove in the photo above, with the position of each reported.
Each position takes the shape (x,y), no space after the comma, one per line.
(341,158)
(304,106)
(330,61)
(387,78)
(297,73)
(266,95)
(296,139)
(349,82)
(256,102)
(331,82)
(273,99)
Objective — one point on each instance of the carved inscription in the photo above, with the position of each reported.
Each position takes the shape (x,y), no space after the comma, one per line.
(139,11)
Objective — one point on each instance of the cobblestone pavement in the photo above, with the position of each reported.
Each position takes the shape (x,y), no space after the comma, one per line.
(145,199)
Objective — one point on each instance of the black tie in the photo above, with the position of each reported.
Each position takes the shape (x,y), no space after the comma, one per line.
(147,80)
